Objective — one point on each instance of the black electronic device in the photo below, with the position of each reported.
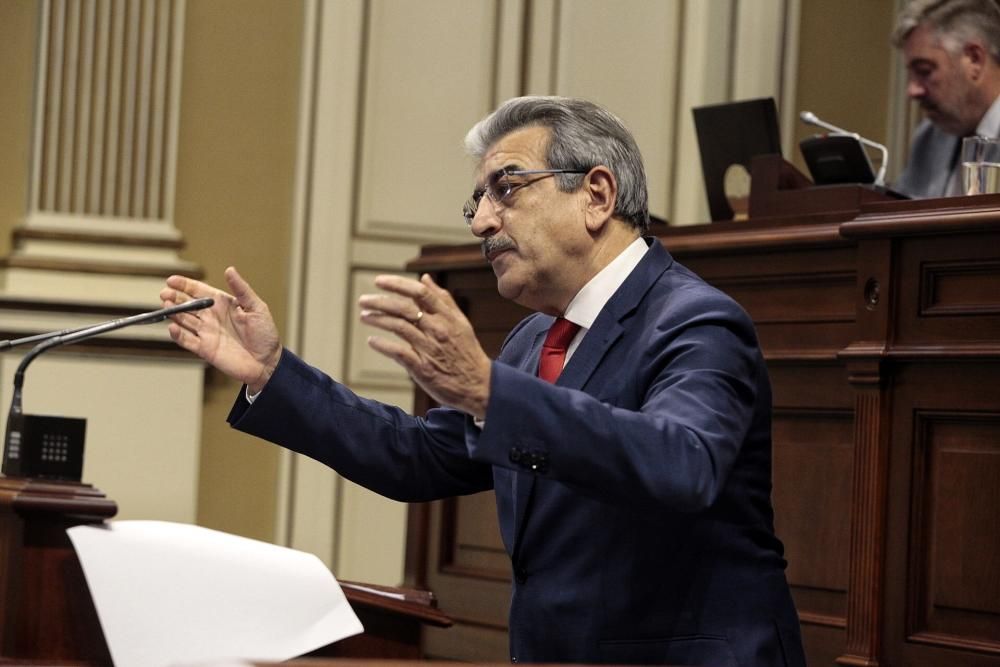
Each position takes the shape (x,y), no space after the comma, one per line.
(733,134)
(43,446)
(837,158)
(840,157)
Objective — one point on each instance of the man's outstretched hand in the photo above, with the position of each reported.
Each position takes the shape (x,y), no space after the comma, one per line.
(436,343)
(237,335)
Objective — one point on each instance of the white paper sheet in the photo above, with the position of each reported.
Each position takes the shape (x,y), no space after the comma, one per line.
(169,593)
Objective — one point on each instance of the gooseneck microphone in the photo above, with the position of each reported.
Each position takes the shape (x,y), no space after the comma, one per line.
(53,446)
(811,118)
(142,318)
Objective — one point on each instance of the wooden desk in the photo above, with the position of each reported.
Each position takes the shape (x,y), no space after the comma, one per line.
(392,625)
(48,617)
(880,323)
(46,612)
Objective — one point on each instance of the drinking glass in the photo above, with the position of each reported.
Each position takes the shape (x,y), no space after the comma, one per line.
(980,165)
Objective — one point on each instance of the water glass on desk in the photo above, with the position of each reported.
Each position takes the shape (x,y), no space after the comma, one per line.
(980,165)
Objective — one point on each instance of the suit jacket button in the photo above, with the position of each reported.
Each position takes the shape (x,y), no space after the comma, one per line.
(515,455)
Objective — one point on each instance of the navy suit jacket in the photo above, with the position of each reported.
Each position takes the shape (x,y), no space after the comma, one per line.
(633,495)
(933,154)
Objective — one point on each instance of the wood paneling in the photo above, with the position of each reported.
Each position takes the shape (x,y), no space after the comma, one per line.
(957,299)
(956,494)
(813,454)
(470,539)
(945,489)
(801,298)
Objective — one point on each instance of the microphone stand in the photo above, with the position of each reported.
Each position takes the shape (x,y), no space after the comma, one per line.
(27,340)
(13,439)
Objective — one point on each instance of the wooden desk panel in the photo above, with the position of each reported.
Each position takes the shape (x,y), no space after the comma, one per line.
(800,294)
(936,356)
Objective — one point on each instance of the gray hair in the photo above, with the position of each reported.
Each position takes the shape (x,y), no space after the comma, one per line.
(956,22)
(583,135)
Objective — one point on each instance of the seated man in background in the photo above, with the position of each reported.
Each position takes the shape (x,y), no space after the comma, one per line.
(625,427)
(952,54)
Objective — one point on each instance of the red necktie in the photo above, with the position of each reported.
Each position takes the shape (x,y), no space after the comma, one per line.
(554,349)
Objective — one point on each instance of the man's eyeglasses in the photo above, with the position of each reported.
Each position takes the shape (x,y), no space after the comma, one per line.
(499,187)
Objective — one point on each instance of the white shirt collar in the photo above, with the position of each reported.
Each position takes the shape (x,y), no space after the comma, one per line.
(989,124)
(589,301)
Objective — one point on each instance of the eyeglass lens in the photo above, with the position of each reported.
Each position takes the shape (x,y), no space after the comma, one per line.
(497,188)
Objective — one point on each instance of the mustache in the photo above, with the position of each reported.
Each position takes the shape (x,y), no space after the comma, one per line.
(495,244)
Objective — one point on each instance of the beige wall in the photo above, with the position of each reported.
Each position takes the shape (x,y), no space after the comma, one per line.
(844,68)
(18,20)
(236,157)
(235,173)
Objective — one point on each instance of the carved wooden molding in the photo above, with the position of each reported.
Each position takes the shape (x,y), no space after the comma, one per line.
(955,214)
(867,561)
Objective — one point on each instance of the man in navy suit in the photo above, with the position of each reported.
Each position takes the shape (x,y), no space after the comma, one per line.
(632,478)
(952,54)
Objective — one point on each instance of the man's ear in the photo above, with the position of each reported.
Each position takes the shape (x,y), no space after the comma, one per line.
(601,189)
(975,55)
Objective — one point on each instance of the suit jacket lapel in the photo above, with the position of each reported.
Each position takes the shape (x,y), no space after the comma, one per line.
(607,328)
(587,357)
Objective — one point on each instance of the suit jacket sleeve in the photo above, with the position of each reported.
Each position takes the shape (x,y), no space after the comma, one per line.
(378,446)
(662,419)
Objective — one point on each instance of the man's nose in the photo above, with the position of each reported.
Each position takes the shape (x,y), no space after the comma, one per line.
(486,222)
(915,90)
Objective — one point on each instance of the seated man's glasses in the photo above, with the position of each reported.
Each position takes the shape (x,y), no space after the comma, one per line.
(499,186)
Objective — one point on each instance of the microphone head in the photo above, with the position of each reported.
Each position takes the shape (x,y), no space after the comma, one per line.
(185,307)
(808,117)
(198,304)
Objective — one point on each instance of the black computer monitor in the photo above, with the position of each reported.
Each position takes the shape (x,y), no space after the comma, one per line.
(733,133)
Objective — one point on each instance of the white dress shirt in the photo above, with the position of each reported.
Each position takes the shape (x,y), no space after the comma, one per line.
(591,299)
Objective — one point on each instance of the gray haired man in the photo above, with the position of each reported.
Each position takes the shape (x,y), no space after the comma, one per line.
(625,426)
(952,54)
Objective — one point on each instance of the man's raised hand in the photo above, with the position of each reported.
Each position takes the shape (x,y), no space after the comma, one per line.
(237,335)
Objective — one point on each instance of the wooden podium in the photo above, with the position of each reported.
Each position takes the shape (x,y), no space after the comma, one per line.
(48,617)
(880,323)
(45,608)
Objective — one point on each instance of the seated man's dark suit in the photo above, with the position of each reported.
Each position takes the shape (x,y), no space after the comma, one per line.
(933,155)
(633,495)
